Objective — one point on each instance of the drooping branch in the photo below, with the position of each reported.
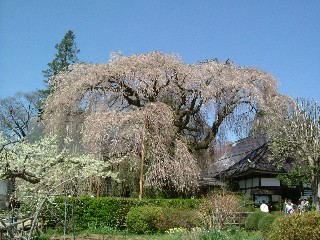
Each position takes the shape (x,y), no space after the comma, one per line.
(27,176)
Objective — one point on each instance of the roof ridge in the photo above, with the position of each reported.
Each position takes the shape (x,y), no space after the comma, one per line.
(244,152)
(250,137)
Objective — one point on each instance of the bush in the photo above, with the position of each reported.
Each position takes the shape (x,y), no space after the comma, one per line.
(218,210)
(296,227)
(265,222)
(142,220)
(103,211)
(177,218)
(253,219)
(100,211)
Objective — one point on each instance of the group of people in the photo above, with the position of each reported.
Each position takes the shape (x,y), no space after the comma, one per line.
(289,207)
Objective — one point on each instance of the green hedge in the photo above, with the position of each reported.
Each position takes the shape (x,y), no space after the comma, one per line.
(296,227)
(103,211)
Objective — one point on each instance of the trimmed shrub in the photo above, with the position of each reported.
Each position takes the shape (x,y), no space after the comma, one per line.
(100,211)
(142,220)
(296,227)
(265,222)
(252,221)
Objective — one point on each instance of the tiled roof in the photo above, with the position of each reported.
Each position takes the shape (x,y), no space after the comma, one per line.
(247,154)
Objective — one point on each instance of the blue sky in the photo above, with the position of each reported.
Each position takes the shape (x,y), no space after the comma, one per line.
(278,36)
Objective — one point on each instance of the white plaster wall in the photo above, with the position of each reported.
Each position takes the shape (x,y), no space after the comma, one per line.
(249,183)
(270,182)
(255,182)
(242,183)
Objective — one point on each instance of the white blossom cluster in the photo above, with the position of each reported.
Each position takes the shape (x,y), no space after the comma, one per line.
(43,165)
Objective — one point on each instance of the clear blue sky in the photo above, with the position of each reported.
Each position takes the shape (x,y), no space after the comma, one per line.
(279,36)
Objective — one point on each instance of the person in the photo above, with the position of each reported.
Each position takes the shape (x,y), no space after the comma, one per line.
(302,205)
(264,207)
(14,204)
(306,205)
(284,206)
(289,207)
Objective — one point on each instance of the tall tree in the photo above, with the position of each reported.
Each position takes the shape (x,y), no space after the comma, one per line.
(296,134)
(191,105)
(66,55)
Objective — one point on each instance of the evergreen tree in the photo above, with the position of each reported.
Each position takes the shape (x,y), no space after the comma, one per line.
(66,55)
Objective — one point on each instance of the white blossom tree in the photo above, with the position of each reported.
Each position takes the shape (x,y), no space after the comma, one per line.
(42,169)
(295,134)
(43,164)
(184,106)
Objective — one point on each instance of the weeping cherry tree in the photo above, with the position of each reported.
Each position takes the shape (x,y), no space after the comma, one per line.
(182,107)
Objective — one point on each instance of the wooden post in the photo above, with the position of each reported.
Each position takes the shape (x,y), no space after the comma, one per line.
(142,159)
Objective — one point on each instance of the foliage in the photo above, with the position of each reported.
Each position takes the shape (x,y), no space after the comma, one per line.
(103,211)
(98,229)
(246,203)
(233,234)
(295,139)
(47,234)
(173,218)
(177,230)
(266,221)
(252,221)
(174,203)
(177,233)
(218,209)
(158,100)
(100,211)
(42,166)
(66,55)
(213,235)
(300,227)
(142,220)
